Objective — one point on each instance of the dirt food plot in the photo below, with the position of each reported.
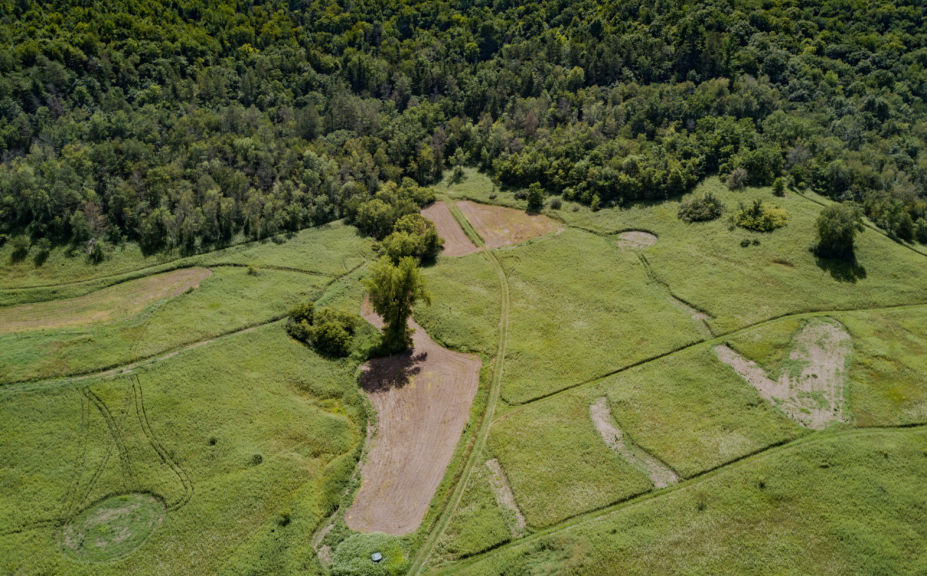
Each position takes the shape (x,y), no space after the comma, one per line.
(810,387)
(423,400)
(660,474)
(499,226)
(116,302)
(456,242)
(636,240)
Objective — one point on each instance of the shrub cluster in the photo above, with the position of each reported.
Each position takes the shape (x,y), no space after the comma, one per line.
(761,217)
(708,207)
(329,332)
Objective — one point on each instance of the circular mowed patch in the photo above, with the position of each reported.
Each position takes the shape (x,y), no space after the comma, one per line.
(113,527)
(636,240)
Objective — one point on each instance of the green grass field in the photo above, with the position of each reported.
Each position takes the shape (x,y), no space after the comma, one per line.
(228,456)
(232,437)
(846,503)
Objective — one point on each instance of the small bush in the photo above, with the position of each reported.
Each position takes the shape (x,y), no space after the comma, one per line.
(329,332)
(703,209)
(737,179)
(761,217)
(745,242)
(20,246)
(779,186)
(43,249)
(256,459)
(556,203)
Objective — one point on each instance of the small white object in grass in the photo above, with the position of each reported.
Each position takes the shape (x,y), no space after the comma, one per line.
(376,556)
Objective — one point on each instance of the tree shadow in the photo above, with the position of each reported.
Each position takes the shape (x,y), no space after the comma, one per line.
(382,374)
(842,269)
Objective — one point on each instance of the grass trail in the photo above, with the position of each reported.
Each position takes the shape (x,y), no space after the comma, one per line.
(495,386)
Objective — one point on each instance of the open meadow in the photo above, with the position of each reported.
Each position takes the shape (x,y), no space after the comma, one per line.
(629,392)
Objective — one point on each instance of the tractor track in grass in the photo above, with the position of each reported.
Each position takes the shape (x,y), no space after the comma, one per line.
(424,552)
(31,385)
(695,479)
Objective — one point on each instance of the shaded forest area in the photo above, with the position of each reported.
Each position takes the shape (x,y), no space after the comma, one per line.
(183,124)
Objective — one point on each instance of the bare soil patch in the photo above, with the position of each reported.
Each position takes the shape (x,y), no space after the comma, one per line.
(811,382)
(422,399)
(636,240)
(456,242)
(660,474)
(504,496)
(499,226)
(113,303)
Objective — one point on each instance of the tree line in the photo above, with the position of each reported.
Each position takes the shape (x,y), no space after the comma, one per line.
(182,125)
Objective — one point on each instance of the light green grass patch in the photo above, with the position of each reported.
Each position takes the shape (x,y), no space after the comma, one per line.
(478,523)
(464,310)
(228,300)
(580,309)
(557,463)
(692,412)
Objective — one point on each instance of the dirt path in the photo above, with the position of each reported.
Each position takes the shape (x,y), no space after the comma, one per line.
(660,474)
(423,400)
(120,301)
(424,552)
(810,389)
(499,226)
(504,496)
(456,242)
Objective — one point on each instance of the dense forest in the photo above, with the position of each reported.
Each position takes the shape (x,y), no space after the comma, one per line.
(181,124)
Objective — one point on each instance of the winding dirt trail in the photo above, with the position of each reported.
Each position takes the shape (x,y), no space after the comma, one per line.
(422,398)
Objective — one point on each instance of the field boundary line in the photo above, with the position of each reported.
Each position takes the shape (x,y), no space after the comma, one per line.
(176,262)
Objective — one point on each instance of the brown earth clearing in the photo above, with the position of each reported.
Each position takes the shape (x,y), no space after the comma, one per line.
(422,399)
(660,474)
(810,387)
(499,226)
(109,304)
(636,240)
(456,242)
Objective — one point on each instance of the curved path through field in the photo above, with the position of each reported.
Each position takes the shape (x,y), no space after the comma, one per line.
(479,442)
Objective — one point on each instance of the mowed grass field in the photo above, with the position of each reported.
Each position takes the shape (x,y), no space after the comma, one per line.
(230,299)
(673,399)
(228,456)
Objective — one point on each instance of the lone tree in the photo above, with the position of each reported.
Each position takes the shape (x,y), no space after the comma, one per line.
(393,291)
(837,227)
